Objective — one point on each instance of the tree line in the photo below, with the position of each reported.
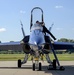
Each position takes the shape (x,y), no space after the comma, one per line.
(66,40)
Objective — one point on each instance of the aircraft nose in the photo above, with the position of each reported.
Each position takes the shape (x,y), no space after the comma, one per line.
(36,38)
(37,41)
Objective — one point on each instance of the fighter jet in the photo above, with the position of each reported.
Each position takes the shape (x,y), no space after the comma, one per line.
(37,45)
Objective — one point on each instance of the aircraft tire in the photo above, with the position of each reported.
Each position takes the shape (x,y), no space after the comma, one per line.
(33,67)
(40,67)
(19,63)
(54,64)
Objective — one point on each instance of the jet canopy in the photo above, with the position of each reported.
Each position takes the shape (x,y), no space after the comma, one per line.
(37,27)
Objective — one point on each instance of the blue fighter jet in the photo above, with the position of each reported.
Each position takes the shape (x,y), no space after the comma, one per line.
(37,45)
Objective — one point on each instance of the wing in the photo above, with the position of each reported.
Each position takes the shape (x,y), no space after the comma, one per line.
(63,45)
(11,46)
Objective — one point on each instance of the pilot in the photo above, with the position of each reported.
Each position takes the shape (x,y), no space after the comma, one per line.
(37,25)
(45,30)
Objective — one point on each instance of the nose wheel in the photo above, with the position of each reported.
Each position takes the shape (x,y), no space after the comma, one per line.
(39,66)
(33,67)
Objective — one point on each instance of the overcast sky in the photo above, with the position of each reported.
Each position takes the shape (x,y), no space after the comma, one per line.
(59,12)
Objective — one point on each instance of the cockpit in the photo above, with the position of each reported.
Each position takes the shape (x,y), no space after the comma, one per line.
(37,27)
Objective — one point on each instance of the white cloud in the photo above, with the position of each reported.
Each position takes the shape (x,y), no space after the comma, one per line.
(2,29)
(59,28)
(22,11)
(58,6)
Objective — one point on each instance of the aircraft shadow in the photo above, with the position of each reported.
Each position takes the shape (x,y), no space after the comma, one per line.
(69,70)
(24,67)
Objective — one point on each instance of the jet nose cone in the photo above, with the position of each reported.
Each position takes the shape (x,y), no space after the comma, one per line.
(38,41)
(36,37)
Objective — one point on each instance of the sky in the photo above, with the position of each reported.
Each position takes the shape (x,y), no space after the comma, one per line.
(59,12)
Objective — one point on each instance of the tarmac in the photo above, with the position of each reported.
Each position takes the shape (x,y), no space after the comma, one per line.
(10,68)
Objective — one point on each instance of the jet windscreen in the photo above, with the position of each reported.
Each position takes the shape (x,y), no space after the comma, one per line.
(36,27)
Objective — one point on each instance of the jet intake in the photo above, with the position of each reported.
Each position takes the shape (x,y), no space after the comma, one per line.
(26,48)
(46,48)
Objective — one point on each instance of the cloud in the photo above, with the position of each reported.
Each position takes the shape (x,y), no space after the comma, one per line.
(58,6)
(22,11)
(59,28)
(2,29)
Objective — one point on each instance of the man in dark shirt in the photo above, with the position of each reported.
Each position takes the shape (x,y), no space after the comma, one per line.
(45,30)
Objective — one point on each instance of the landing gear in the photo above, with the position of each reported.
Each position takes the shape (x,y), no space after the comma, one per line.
(54,64)
(22,62)
(35,66)
(19,63)
(55,67)
(40,67)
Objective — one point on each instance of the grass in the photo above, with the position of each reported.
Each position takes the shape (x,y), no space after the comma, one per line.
(10,57)
(13,57)
(64,57)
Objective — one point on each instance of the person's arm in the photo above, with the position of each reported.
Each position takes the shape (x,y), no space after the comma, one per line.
(46,30)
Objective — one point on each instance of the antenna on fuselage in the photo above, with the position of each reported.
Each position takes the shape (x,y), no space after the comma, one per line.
(51,26)
(22,29)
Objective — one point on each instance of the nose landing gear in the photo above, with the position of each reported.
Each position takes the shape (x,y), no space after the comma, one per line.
(39,66)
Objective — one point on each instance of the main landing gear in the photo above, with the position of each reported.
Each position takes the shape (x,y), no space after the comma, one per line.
(19,63)
(54,66)
(22,62)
